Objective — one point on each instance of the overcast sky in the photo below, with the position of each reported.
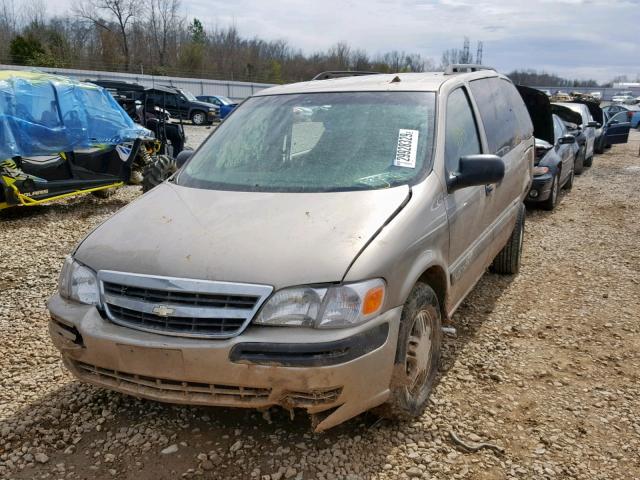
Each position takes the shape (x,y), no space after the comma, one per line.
(574,38)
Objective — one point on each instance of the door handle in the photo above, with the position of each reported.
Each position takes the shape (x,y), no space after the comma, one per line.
(488,189)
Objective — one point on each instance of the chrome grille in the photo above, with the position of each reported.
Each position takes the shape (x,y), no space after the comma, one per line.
(179,306)
(182,298)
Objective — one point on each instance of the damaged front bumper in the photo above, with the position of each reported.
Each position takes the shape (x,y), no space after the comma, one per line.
(336,374)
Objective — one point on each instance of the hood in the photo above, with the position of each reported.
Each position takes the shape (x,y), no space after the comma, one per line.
(594,109)
(566,114)
(539,107)
(201,104)
(279,239)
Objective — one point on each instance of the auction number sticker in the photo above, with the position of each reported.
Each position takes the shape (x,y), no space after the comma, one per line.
(407,148)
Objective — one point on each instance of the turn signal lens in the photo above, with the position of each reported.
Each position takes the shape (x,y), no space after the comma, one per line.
(373,300)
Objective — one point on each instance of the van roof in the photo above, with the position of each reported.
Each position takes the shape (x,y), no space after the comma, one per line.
(426,81)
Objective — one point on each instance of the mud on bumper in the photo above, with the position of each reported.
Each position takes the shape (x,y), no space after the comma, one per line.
(339,372)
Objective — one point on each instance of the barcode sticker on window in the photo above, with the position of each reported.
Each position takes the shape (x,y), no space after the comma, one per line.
(407,148)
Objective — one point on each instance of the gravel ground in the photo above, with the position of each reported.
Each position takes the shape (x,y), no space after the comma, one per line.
(545,365)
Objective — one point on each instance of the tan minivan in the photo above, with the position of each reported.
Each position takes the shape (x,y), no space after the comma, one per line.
(309,251)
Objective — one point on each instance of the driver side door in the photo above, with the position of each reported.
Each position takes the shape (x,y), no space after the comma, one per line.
(466,208)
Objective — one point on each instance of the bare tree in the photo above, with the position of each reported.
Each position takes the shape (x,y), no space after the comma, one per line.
(115,16)
(164,22)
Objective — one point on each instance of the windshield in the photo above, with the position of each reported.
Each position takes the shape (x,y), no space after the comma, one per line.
(318,142)
(224,100)
(190,96)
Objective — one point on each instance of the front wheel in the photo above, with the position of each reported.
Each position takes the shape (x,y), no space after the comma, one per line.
(588,161)
(417,355)
(569,183)
(156,172)
(198,118)
(578,167)
(551,202)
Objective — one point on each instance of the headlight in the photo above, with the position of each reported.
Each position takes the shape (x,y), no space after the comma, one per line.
(78,283)
(334,306)
(540,171)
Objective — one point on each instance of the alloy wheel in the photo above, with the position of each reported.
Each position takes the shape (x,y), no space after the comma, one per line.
(418,359)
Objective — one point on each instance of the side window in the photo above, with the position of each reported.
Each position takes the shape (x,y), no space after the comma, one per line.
(504,116)
(461,130)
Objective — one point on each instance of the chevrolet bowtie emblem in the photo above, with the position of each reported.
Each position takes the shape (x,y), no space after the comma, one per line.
(163,310)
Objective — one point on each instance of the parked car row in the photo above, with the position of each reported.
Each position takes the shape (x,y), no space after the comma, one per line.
(568,135)
(319,239)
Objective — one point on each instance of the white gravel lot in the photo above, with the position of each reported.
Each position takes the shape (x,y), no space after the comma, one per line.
(546,365)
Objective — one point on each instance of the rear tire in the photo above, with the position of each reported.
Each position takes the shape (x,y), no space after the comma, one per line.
(508,261)
(417,355)
(161,168)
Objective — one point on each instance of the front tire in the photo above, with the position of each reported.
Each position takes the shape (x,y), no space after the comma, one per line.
(417,355)
(578,167)
(508,261)
(588,161)
(156,172)
(551,202)
(569,183)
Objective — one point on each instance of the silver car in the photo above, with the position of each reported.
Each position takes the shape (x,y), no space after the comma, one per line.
(307,260)
(590,128)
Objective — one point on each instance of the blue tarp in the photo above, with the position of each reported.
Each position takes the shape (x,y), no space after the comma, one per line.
(42,114)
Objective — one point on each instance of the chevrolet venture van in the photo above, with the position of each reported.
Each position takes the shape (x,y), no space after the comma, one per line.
(309,252)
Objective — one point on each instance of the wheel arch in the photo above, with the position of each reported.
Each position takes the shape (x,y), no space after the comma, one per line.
(436,277)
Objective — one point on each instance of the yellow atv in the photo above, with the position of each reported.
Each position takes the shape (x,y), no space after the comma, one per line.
(60,138)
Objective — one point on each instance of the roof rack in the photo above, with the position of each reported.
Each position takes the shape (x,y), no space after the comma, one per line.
(339,74)
(464,68)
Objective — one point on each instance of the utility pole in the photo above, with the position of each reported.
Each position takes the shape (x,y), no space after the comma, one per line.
(479,54)
(466,55)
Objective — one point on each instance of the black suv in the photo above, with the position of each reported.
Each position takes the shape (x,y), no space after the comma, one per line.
(183,104)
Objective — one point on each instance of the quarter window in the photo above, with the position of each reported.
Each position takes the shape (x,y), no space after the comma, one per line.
(461,130)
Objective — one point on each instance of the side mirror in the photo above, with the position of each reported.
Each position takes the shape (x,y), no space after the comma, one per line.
(594,124)
(478,169)
(566,139)
(183,156)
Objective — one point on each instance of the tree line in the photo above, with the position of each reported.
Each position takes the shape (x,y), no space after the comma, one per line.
(156,37)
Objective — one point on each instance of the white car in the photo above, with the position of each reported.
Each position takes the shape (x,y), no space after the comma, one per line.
(589,127)
(624,97)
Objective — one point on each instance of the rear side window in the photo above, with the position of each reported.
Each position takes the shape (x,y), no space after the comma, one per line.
(504,115)
(461,130)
